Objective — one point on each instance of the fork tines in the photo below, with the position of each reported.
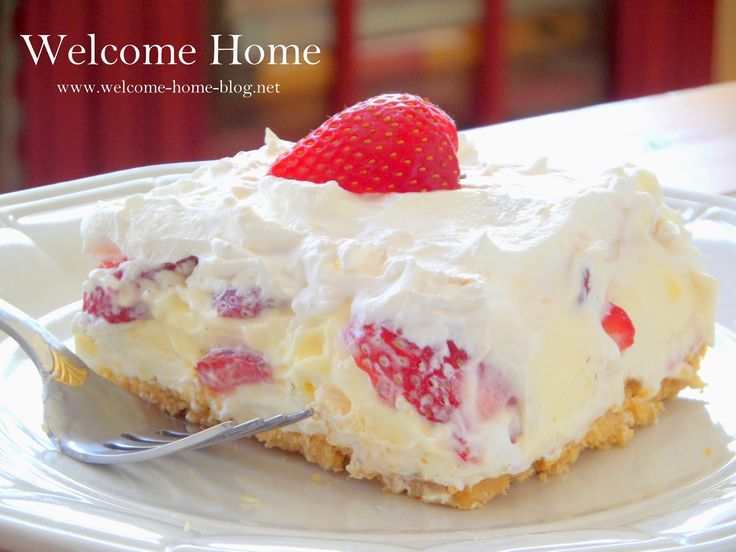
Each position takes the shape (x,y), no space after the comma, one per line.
(132,442)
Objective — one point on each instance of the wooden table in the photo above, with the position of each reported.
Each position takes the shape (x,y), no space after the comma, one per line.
(688,138)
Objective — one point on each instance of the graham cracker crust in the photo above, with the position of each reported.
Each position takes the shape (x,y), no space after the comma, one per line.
(616,427)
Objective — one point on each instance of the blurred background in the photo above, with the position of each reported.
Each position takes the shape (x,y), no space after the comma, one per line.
(483,61)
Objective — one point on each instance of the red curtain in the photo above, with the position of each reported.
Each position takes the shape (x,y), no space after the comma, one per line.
(70,135)
(661,45)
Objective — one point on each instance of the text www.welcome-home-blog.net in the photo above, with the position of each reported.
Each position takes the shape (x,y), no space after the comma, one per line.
(246,90)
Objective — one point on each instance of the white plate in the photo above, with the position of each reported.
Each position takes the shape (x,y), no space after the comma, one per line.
(673,487)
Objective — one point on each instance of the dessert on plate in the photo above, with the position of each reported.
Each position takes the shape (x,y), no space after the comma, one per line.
(456,325)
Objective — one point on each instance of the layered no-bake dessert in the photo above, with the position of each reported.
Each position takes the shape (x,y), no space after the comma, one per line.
(455,325)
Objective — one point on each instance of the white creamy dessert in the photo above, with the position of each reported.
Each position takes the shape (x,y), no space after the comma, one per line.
(496,298)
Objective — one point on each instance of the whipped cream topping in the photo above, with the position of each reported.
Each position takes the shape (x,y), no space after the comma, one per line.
(497,267)
(431,263)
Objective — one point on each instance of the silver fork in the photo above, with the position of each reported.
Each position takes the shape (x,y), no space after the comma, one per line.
(93,420)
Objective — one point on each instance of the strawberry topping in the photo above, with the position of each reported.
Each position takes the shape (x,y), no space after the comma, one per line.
(388,143)
(222,370)
(230,303)
(617,324)
(426,379)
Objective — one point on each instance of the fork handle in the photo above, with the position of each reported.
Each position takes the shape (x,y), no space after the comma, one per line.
(33,338)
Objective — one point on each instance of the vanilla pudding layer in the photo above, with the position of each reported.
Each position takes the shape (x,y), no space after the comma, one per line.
(517,268)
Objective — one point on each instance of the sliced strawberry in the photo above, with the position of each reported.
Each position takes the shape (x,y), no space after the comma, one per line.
(231,303)
(617,324)
(388,143)
(222,370)
(515,428)
(494,392)
(585,288)
(183,267)
(112,264)
(102,303)
(493,396)
(428,381)
(464,451)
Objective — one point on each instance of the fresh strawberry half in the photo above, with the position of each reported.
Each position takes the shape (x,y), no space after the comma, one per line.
(617,324)
(388,143)
(428,381)
(222,370)
(231,303)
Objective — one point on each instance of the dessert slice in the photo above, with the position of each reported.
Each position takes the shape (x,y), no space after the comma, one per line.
(449,341)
